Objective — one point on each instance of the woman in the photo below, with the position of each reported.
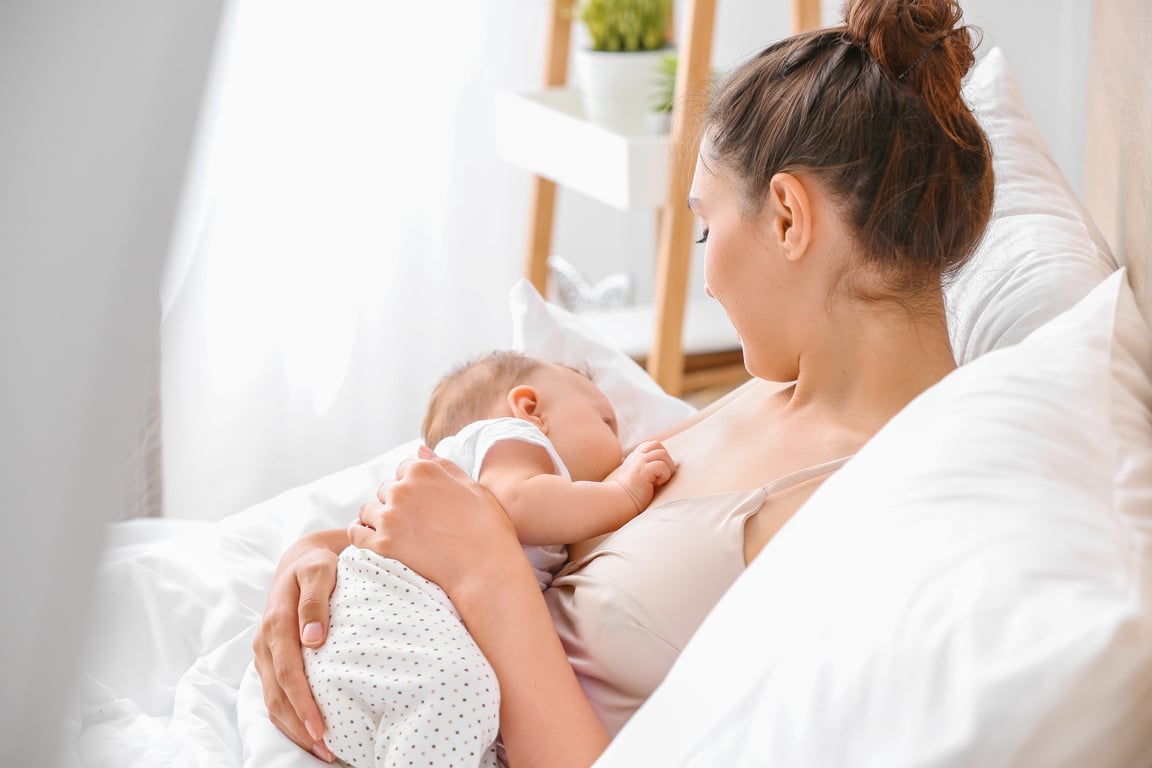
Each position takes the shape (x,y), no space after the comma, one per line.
(839,179)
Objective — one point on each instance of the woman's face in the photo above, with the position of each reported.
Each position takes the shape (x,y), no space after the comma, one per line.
(745,272)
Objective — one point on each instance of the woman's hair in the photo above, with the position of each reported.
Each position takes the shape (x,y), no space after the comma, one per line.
(474,391)
(872,110)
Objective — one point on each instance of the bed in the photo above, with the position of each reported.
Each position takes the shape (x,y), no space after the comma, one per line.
(994,610)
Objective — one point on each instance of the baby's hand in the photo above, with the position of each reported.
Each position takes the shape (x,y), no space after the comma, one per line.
(648,467)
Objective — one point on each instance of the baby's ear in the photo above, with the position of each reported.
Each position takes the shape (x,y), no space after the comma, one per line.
(525,404)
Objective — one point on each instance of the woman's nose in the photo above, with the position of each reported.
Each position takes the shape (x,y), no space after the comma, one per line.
(708,291)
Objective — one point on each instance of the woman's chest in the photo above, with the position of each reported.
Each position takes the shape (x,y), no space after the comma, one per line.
(625,610)
(671,563)
(745,445)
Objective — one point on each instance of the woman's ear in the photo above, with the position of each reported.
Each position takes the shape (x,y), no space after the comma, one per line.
(524,401)
(790,215)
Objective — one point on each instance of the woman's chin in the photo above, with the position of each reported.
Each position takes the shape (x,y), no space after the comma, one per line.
(762,369)
(749,363)
(767,372)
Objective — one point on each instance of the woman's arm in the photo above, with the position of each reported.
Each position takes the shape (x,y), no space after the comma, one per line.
(295,614)
(451,530)
(545,718)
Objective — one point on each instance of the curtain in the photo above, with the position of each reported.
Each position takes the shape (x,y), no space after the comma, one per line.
(347,235)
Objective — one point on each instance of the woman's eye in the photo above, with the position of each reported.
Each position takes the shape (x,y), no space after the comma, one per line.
(703,236)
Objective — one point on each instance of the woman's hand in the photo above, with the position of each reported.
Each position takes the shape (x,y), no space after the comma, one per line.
(296,614)
(441,524)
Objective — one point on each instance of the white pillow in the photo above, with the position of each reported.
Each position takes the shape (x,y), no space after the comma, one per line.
(964,592)
(546,331)
(1041,253)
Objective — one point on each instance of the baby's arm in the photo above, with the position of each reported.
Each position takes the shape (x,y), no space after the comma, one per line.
(547,509)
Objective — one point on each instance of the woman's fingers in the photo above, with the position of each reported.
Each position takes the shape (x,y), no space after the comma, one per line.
(425,467)
(414,480)
(279,710)
(432,518)
(362,536)
(271,648)
(369,514)
(282,714)
(301,711)
(316,580)
(297,614)
(424,456)
(316,584)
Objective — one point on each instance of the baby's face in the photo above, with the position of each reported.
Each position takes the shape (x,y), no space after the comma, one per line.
(580,422)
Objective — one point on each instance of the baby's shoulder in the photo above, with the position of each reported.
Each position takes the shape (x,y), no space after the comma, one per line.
(468,447)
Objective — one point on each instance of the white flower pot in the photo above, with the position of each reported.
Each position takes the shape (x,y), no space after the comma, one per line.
(619,89)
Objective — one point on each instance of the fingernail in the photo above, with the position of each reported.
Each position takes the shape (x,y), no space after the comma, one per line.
(316,736)
(313,633)
(322,752)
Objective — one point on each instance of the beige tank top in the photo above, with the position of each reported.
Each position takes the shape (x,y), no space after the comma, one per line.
(626,609)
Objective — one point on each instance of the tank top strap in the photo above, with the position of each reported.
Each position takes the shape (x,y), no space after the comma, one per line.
(802,475)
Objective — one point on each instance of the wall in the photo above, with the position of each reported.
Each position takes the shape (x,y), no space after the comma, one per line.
(1117,186)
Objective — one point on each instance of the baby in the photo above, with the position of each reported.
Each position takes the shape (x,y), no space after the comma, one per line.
(399,681)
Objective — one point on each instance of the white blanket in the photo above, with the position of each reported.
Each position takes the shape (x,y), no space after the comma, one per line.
(168,677)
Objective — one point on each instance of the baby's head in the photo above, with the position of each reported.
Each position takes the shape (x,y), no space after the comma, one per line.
(474,391)
(563,402)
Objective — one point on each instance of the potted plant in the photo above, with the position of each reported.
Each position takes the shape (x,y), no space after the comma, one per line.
(659,117)
(619,66)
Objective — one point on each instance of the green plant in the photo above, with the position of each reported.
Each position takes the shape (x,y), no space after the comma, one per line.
(665,92)
(626,25)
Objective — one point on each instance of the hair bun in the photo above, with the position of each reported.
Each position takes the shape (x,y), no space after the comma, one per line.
(921,42)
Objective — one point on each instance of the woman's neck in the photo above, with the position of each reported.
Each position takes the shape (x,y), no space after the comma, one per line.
(864,366)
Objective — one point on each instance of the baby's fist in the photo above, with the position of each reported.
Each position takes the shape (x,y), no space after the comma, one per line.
(644,470)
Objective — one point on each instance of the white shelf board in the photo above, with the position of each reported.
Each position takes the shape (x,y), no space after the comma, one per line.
(547,133)
(706,328)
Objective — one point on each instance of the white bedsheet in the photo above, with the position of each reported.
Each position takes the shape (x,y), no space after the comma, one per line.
(168,678)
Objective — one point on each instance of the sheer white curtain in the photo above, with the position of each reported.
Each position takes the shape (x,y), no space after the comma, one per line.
(348,234)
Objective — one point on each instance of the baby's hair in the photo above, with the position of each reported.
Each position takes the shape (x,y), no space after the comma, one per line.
(474,391)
